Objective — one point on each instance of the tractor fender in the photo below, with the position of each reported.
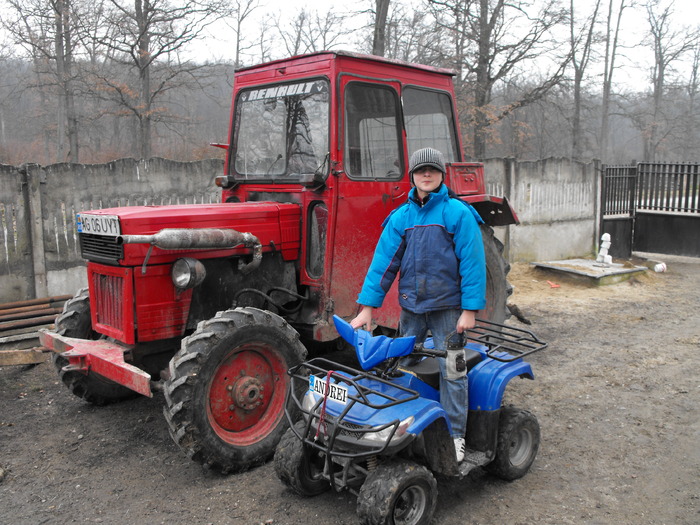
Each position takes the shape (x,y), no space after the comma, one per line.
(488,380)
(495,211)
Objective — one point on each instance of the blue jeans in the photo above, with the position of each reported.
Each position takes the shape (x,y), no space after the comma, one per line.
(454,395)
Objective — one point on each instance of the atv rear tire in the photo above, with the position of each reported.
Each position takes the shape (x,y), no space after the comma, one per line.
(75,322)
(298,466)
(228,388)
(397,493)
(518,442)
(498,289)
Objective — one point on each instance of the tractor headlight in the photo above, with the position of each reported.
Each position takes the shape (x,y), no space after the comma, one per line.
(187,273)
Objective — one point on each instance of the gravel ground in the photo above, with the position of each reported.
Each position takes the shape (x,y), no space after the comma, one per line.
(617,395)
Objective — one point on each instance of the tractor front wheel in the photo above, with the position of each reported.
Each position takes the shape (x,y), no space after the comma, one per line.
(75,322)
(228,388)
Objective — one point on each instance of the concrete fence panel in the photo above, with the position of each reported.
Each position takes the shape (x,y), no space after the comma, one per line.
(16,270)
(556,201)
(39,205)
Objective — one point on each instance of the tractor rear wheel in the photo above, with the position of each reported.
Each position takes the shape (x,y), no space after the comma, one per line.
(228,388)
(75,322)
(498,289)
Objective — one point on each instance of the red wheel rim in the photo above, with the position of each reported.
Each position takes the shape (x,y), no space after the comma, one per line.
(247,394)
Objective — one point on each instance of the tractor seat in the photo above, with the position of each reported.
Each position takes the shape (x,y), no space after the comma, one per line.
(428,370)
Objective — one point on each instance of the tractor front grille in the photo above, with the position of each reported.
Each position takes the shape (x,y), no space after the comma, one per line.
(111,301)
(100,248)
(109,295)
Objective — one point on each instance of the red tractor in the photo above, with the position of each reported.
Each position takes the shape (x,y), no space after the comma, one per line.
(212,304)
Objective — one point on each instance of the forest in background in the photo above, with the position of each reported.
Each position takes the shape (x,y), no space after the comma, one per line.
(92,81)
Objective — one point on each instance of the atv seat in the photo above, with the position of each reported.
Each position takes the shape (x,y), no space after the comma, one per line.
(428,370)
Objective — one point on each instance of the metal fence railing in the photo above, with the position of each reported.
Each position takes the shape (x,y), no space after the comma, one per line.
(668,187)
(618,191)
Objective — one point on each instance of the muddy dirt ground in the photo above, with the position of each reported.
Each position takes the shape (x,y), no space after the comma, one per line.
(617,395)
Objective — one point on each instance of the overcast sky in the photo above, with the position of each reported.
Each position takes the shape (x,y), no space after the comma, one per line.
(686,12)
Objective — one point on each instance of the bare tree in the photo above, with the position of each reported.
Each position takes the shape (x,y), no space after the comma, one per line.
(581,46)
(311,31)
(148,36)
(690,135)
(241,11)
(381,11)
(611,47)
(669,45)
(46,31)
(492,39)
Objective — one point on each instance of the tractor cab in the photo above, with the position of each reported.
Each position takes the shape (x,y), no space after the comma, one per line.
(333,131)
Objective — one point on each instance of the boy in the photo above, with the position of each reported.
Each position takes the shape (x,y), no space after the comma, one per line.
(434,242)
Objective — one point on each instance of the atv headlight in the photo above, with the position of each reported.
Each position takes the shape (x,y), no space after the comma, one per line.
(187,273)
(309,401)
(383,435)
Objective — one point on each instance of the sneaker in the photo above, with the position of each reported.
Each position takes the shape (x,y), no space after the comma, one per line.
(459,449)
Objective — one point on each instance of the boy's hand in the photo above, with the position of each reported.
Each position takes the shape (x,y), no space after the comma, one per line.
(466,321)
(363,319)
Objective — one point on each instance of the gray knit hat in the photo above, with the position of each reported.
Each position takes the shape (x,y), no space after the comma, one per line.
(426,157)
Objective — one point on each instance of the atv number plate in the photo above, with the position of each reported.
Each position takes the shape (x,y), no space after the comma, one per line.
(99,224)
(332,390)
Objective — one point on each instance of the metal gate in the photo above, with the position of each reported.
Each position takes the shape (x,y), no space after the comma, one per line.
(652,207)
(617,208)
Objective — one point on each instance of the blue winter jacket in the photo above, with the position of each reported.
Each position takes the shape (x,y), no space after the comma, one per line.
(438,250)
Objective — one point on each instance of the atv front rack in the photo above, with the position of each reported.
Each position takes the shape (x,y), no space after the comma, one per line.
(346,461)
(322,431)
(505,343)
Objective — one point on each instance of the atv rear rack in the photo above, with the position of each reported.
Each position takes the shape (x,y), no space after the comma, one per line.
(505,343)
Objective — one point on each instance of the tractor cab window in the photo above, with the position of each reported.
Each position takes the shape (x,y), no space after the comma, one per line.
(372,132)
(430,121)
(281,132)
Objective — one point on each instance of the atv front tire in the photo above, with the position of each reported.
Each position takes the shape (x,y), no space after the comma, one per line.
(228,388)
(75,322)
(397,493)
(518,442)
(298,466)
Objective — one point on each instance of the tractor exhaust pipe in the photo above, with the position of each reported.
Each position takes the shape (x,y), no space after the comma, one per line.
(200,239)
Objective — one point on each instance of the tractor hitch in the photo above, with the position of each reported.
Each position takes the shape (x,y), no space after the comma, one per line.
(101,357)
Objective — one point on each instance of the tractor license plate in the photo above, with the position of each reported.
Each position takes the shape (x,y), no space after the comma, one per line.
(333,391)
(99,224)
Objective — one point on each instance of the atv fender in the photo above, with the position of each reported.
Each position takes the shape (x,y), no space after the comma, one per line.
(488,380)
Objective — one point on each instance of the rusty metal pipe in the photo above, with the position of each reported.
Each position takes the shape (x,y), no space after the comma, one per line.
(38,312)
(35,302)
(183,239)
(36,321)
(200,239)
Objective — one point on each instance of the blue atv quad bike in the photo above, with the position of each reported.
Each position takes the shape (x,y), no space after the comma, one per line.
(381,432)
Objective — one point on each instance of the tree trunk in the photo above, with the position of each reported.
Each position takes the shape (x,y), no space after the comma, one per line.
(482,90)
(379,40)
(144,65)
